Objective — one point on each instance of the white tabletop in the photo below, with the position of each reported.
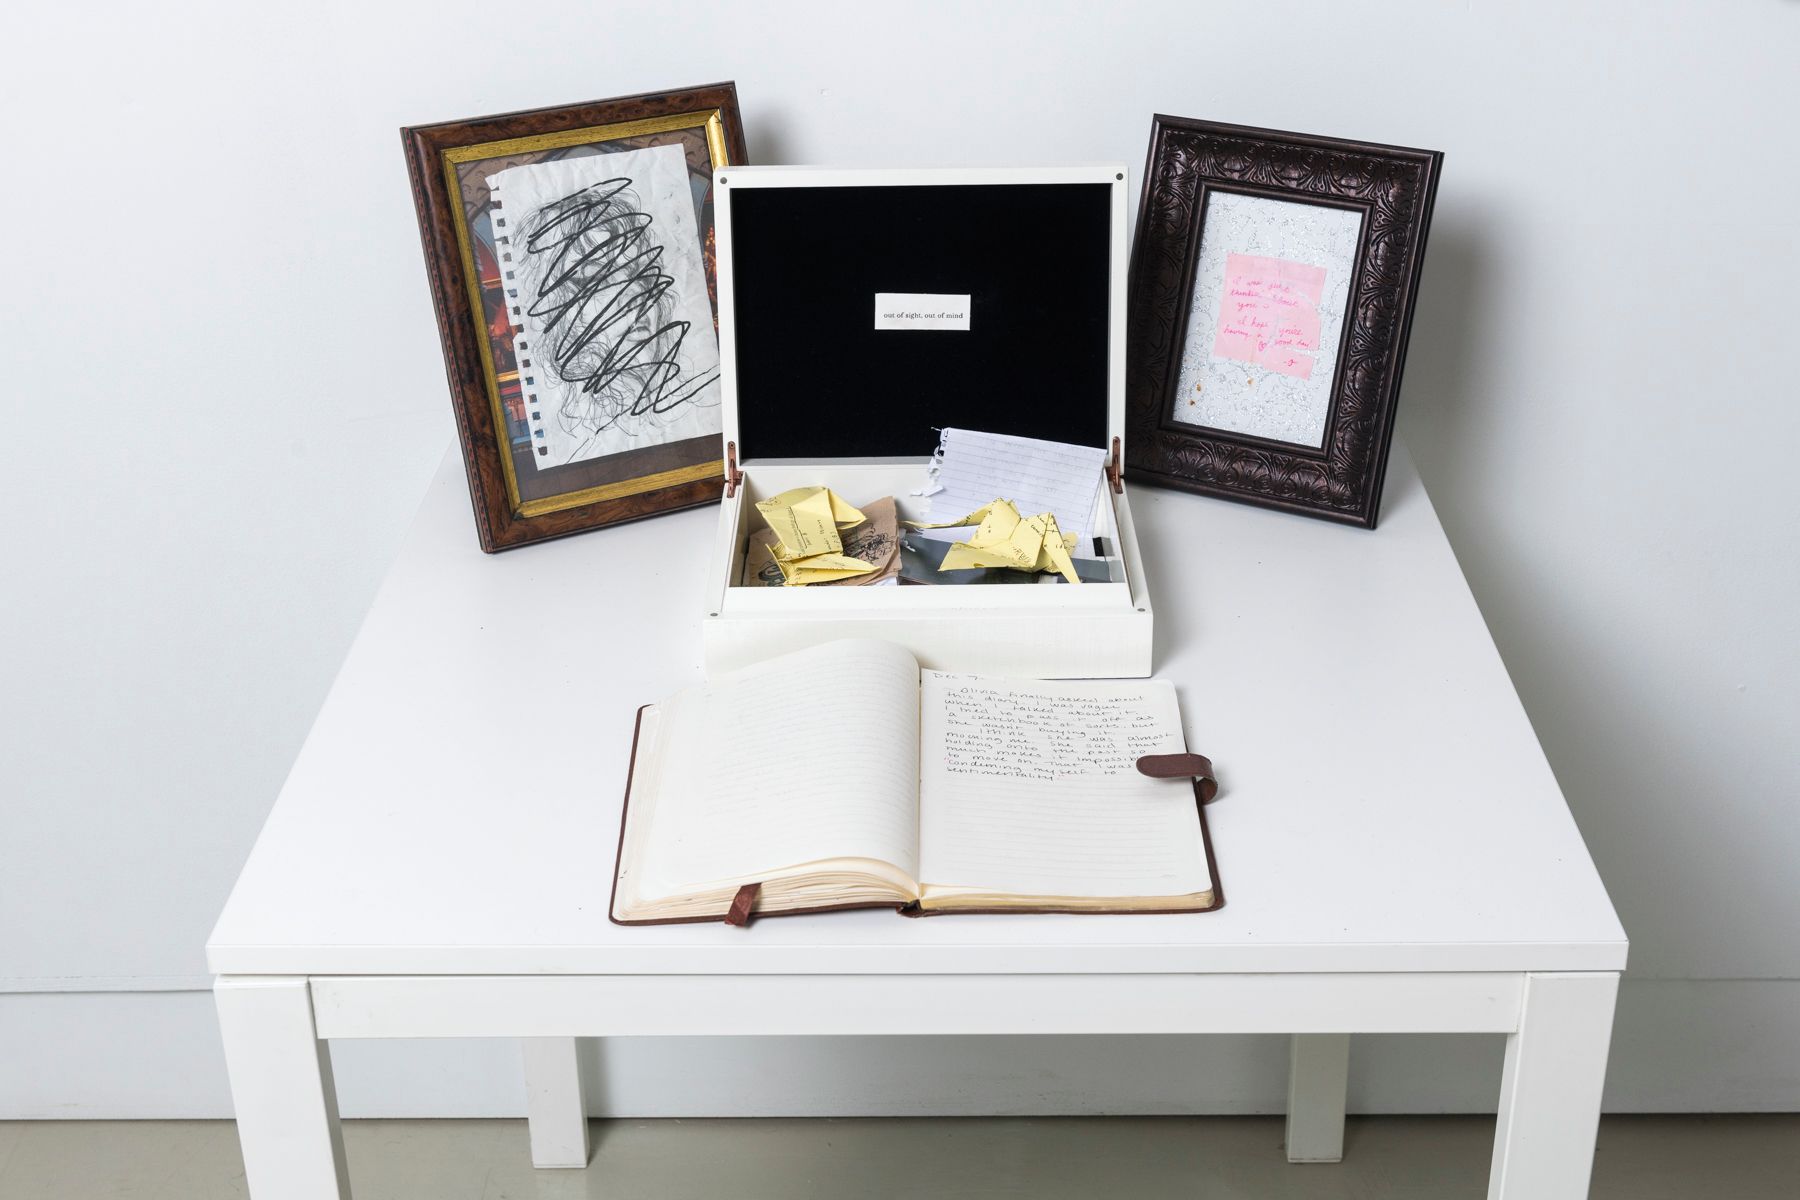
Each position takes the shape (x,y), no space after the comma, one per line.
(1385,805)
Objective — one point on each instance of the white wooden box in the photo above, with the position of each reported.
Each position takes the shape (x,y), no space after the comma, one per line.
(815,394)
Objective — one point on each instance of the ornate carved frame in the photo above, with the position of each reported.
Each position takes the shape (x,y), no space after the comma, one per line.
(1394,188)
(502,520)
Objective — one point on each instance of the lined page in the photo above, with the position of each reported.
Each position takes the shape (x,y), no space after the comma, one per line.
(1036,476)
(1032,787)
(810,756)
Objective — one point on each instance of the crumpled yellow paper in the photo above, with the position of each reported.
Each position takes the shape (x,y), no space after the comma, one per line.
(806,521)
(1005,539)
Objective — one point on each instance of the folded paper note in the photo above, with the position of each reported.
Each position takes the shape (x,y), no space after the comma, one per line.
(922,559)
(807,520)
(1005,539)
(821,568)
(876,542)
(808,547)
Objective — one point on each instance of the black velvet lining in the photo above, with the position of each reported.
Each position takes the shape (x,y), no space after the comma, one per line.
(817,380)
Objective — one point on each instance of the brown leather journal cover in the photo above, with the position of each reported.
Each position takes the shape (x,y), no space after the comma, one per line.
(736,917)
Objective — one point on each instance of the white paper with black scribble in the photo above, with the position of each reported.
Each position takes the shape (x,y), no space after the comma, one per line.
(606,289)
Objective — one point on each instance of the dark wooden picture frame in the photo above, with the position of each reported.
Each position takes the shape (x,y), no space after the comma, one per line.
(514,504)
(1190,164)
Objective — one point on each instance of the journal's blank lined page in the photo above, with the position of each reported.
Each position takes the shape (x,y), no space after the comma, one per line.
(1054,477)
(1032,787)
(806,757)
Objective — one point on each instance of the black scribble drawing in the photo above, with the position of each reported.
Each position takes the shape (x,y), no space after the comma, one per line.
(870,542)
(606,311)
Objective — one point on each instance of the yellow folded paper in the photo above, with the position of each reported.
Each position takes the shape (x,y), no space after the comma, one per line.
(1005,539)
(821,568)
(876,541)
(807,548)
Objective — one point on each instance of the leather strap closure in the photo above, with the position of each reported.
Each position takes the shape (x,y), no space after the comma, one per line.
(1182,766)
(739,912)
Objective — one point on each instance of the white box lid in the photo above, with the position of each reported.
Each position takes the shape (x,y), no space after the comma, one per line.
(1033,259)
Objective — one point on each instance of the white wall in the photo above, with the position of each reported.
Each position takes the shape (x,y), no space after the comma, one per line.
(223,394)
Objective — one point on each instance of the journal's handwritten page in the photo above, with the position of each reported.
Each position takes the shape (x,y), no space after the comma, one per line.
(812,756)
(1032,787)
(1037,476)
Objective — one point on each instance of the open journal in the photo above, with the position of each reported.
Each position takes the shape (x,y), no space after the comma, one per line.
(844,776)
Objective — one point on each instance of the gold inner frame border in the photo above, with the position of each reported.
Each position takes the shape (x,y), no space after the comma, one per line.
(710,120)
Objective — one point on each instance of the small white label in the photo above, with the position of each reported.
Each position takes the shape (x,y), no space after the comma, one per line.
(920,310)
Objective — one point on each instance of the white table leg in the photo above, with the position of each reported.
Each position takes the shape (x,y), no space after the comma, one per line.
(1318,1071)
(281,1089)
(1550,1090)
(555,1107)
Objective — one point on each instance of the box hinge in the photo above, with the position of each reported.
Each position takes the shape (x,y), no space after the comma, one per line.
(733,476)
(1113,469)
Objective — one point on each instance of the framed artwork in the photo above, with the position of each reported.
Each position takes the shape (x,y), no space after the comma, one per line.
(1272,287)
(570,253)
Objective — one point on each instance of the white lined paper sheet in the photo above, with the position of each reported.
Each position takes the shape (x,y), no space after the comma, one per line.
(1037,476)
(806,757)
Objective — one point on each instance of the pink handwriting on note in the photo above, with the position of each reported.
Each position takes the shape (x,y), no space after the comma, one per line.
(1269,314)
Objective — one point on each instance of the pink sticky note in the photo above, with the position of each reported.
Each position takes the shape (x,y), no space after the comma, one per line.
(1269,314)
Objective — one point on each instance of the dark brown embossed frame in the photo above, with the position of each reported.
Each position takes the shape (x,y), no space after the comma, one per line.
(502,519)
(1394,188)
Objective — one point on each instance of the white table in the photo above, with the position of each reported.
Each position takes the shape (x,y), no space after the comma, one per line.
(1395,854)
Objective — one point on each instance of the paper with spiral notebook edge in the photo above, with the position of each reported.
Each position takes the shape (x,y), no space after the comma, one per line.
(1037,476)
(607,298)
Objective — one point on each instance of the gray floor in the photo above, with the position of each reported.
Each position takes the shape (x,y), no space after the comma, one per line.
(1197,1158)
